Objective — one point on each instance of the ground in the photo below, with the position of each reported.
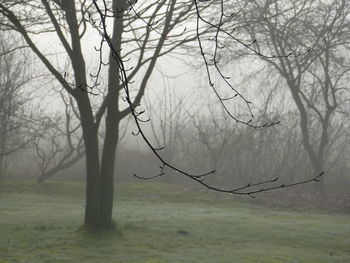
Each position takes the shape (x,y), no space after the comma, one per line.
(163,223)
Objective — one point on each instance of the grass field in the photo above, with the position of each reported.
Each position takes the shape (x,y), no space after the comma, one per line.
(162,223)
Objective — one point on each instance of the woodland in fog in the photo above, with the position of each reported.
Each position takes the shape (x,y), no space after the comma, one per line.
(197,131)
(240,97)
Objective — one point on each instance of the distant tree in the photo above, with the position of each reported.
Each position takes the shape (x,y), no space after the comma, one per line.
(167,113)
(211,141)
(60,145)
(307,43)
(15,118)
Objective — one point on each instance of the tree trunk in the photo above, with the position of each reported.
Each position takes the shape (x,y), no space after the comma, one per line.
(93,194)
(316,158)
(89,129)
(112,125)
(107,174)
(93,178)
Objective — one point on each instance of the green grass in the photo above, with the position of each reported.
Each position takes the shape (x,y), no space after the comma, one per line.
(162,223)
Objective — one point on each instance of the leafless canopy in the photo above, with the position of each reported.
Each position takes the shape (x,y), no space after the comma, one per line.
(216,28)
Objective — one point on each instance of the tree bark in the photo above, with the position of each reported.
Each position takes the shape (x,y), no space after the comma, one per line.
(90,131)
(93,194)
(112,121)
(107,177)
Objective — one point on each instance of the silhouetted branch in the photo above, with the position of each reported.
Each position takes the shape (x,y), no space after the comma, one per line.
(123,77)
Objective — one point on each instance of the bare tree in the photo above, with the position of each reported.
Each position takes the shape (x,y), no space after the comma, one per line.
(167,112)
(15,118)
(68,20)
(211,140)
(212,135)
(307,41)
(60,145)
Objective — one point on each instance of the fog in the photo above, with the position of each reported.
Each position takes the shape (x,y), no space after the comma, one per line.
(218,124)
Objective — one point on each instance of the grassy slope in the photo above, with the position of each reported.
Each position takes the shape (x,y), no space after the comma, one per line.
(40,224)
